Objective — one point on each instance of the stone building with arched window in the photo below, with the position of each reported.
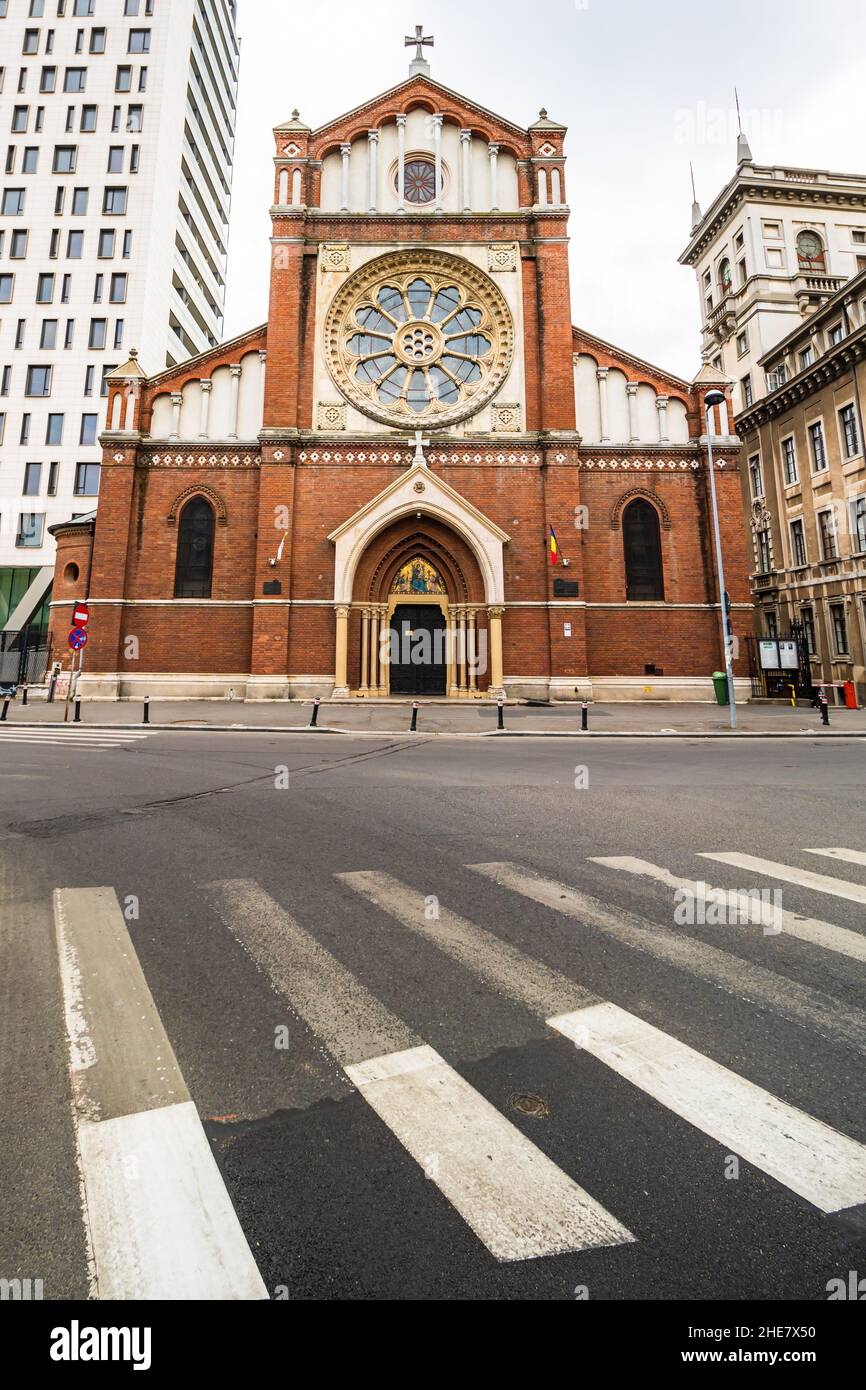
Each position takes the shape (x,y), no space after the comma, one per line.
(359,498)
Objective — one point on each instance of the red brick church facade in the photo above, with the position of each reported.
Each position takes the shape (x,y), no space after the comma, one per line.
(269,511)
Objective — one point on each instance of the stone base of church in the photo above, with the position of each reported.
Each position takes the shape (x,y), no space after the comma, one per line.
(262,689)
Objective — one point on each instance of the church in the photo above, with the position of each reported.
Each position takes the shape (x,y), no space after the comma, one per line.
(418,478)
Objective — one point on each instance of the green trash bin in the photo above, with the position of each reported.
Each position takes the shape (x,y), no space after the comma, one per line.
(720,684)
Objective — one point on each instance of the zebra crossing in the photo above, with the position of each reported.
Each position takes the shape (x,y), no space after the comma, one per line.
(72,737)
(516,1200)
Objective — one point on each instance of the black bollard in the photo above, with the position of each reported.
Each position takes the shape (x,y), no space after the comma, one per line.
(77,716)
(24,696)
(414,726)
(584,718)
(5,712)
(146,719)
(314,718)
(501,723)
(825,710)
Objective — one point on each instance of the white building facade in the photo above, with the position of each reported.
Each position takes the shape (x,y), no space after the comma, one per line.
(117,122)
(774,246)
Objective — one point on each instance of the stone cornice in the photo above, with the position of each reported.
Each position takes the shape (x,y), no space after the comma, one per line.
(834,364)
(804,188)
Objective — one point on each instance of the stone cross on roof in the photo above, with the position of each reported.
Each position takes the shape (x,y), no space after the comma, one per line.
(419,43)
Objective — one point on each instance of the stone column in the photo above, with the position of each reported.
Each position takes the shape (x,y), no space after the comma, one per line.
(464,683)
(341,686)
(235,399)
(365,651)
(373,683)
(345,151)
(497,669)
(494,177)
(454,646)
(466,163)
(206,390)
(176,403)
(384,651)
(631,393)
(602,374)
(662,408)
(401,163)
(263,359)
(437,146)
(472,651)
(373,151)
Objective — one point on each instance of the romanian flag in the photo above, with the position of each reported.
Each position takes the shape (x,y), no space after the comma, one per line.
(554,548)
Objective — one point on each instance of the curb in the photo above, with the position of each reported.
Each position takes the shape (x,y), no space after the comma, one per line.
(443,733)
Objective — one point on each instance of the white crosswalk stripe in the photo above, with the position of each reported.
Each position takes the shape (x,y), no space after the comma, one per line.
(158,1219)
(518,1202)
(847,856)
(808,1008)
(821,1165)
(787,873)
(818,933)
(71,736)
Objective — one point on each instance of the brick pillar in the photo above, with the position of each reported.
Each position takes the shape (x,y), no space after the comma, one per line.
(555,339)
(108,572)
(285,323)
(272,612)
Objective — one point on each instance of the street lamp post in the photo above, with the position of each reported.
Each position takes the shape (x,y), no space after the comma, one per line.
(712,399)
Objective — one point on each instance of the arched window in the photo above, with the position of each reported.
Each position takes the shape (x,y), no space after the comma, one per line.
(810,252)
(194,571)
(643,552)
(726,278)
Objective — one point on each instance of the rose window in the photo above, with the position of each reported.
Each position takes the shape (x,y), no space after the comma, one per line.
(428,346)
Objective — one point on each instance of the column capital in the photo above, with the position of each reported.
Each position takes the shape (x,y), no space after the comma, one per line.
(401,120)
(631,388)
(373,137)
(465,136)
(495,612)
(439,120)
(206,384)
(235,368)
(177,398)
(662,402)
(602,373)
(493,147)
(342,610)
(346,149)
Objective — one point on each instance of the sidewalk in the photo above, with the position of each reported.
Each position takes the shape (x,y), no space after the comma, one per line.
(393,717)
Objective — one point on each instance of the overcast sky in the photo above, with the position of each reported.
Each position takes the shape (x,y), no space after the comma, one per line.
(643,85)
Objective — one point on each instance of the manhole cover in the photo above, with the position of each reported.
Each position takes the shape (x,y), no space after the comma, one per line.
(528,1104)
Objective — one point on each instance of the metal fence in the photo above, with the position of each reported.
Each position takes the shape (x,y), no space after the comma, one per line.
(24,657)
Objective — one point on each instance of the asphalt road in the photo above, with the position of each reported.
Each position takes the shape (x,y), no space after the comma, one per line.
(286,991)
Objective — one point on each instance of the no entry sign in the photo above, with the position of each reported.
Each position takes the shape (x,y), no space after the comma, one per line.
(77,639)
(80,615)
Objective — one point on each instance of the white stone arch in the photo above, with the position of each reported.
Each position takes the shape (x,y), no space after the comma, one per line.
(438,501)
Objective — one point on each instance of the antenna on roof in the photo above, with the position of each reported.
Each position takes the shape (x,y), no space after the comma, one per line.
(697,215)
(744,153)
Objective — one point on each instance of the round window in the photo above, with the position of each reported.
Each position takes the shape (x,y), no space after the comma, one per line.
(419,182)
(419,338)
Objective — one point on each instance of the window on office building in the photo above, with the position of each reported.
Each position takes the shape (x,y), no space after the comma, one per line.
(87,480)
